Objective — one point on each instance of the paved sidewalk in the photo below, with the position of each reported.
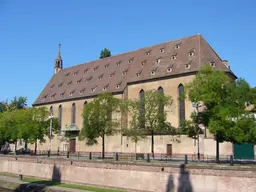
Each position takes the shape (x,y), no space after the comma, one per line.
(54,188)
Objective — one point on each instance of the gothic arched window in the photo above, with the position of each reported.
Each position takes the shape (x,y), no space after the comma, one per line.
(60,117)
(181,104)
(73,115)
(51,110)
(161,104)
(142,108)
(85,103)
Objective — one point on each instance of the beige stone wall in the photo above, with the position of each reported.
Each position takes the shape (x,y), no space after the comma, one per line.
(155,178)
(170,87)
(117,143)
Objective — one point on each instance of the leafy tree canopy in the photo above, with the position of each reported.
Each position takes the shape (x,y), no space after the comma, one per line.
(105,53)
(148,116)
(18,103)
(224,99)
(30,124)
(100,119)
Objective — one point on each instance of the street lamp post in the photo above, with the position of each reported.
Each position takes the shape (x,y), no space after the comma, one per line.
(196,105)
(50,137)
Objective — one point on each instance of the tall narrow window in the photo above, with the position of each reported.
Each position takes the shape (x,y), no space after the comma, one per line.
(85,103)
(181,104)
(84,108)
(51,110)
(142,108)
(161,102)
(73,115)
(60,118)
(109,113)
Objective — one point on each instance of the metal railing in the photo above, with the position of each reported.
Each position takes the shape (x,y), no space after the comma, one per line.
(142,157)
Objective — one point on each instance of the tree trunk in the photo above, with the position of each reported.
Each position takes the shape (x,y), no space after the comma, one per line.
(35,147)
(217,149)
(15,147)
(152,143)
(26,145)
(135,148)
(103,146)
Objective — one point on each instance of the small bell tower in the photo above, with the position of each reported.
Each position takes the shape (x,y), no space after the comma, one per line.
(58,62)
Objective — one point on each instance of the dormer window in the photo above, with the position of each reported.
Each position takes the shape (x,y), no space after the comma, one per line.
(53,96)
(79,81)
(105,87)
(60,85)
(86,70)
(106,66)
(169,69)
(70,82)
(88,79)
(118,85)
(187,66)
(74,74)
(162,50)
(45,97)
(143,62)
(118,63)
(67,74)
(147,53)
(191,53)
(177,46)
(138,74)
(130,60)
(62,94)
(71,93)
(124,72)
(173,57)
(158,60)
(213,64)
(153,72)
(51,87)
(100,77)
(93,89)
(112,75)
(81,92)
(95,68)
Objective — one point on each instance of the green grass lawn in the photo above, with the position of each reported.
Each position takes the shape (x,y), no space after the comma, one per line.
(72,186)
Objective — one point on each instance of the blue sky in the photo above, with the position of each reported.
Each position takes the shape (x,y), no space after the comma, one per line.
(31,30)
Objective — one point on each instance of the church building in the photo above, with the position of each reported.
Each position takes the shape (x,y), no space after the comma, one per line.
(167,67)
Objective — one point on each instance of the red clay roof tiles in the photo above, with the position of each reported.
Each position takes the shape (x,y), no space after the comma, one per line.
(166,59)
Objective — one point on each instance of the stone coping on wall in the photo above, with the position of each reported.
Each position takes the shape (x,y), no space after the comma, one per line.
(194,169)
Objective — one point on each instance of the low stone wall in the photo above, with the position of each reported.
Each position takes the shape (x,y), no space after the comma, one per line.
(134,176)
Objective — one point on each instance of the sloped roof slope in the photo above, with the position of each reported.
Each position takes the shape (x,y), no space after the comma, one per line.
(112,74)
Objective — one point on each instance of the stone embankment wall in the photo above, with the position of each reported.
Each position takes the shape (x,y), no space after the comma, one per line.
(134,176)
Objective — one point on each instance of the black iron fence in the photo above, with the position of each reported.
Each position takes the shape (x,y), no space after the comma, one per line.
(142,157)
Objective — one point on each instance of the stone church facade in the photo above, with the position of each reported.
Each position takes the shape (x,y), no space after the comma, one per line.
(167,66)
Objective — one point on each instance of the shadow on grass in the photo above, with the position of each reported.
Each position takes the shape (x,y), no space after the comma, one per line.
(40,185)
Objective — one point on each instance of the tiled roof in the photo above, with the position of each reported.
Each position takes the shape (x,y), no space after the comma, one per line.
(113,73)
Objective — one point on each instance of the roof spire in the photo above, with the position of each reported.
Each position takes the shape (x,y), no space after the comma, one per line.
(59,49)
(58,62)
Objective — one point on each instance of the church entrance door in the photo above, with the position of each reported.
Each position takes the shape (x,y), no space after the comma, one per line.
(72,145)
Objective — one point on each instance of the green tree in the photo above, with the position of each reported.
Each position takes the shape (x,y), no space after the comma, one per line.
(30,124)
(224,100)
(98,120)
(3,106)
(35,125)
(105,53)
(192,128)
(10,126)
(148,117)
(17,103)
